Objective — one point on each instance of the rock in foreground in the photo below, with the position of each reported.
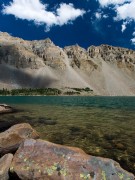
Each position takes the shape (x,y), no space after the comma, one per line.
(11,139)
(5,109)
(42,160)
(5,163)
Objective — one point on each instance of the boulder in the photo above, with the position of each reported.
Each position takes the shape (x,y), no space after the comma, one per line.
(14,136)
(5,163)
(42,160)
(5,109)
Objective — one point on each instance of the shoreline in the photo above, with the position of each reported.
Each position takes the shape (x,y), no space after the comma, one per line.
(66,95)
(65,92)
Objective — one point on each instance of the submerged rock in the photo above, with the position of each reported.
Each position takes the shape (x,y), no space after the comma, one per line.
(6,109)
(14,136)
(42,160)
(47,121)
(5,163)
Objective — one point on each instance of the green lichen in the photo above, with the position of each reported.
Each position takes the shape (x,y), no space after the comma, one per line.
(12,169)
(121,175)
(25,159)
(49,171)
(103,175)
(63,155)
(85,176)
(63,172)
(55,167)
(81,175)
(20,156)
(25,168)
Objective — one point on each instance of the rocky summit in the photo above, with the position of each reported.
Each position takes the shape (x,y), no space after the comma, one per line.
(105,69)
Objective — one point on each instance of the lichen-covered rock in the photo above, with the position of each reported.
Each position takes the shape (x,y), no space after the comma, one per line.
(42,160)
(14,136)
(5,163)
(5,109)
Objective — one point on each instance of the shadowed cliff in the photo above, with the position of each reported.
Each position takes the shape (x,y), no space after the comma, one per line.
(107,70)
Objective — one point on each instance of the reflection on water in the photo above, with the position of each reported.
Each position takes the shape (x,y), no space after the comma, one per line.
(102,126)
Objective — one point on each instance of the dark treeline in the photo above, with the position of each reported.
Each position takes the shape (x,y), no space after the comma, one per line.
(42,91)
(87,89)
(30,91)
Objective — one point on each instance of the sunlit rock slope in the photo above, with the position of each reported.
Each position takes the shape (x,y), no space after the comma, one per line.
(105,69)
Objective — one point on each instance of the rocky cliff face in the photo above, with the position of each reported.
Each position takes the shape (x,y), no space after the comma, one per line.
(106,69)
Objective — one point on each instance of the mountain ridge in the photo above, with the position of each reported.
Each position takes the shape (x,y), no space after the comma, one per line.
(105,69)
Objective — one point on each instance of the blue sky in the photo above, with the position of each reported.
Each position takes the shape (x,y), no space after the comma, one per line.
(67,22)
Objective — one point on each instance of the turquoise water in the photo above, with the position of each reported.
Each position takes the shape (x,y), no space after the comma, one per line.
(102,126)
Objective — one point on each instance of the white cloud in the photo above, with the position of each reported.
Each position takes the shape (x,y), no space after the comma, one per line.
(123,27)
(126,11)
(34,10)
(133,33)
(98,15)
(105,16)
(112,2)
(133,39)
(68,13)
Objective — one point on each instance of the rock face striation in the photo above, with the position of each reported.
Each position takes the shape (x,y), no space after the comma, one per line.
(105,69)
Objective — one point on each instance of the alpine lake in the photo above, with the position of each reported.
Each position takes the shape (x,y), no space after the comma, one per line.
(101,126)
